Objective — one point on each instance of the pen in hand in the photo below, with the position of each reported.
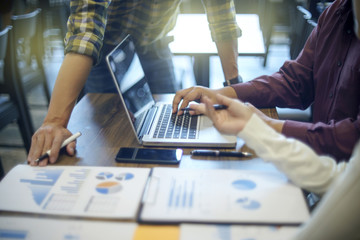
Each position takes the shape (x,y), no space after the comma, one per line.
(66,142)
(216,106)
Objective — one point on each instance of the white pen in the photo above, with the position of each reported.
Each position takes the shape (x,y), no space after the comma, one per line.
(66,142)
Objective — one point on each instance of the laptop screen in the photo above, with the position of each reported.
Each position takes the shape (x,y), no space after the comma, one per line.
(130,81)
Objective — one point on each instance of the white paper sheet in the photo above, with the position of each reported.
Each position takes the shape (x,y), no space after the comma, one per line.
(235,232)
(23,228)
(107,192)
(222,196)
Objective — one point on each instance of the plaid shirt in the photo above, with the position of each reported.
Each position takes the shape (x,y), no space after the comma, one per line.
(145,20)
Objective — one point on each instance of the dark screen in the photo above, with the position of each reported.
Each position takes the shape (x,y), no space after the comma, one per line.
(148,155)
(157,154)
(131,80)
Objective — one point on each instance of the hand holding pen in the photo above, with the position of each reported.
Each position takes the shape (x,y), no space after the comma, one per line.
(229,121)
(196,109)
(216,107)
(64,144)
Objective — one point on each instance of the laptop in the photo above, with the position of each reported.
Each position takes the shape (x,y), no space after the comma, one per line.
(153,122)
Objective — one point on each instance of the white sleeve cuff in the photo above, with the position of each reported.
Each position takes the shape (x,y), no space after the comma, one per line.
(298,161)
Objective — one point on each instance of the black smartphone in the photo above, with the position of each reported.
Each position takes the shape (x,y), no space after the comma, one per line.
(149,155)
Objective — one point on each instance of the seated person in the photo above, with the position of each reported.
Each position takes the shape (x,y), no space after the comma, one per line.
(325,75)
(338,214)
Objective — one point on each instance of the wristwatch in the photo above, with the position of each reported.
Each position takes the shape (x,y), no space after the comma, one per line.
(234,80)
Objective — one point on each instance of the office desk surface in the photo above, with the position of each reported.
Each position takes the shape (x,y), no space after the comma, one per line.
(105,129)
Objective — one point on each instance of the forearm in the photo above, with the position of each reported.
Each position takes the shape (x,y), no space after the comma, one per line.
(70,80)
(227,91)
(275,124)
(228,53)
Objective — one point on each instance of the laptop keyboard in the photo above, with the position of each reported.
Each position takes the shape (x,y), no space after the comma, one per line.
(173,126)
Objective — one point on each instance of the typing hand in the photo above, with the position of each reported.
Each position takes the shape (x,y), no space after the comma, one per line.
(49,137)
(191,94)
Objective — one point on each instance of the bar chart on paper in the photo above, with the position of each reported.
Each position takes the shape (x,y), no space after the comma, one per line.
(41,183)
(79,191)
(181,194)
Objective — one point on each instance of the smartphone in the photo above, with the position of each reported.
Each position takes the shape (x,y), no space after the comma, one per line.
(149,155)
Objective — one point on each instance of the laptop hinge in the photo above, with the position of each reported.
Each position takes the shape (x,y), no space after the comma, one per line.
(145,129)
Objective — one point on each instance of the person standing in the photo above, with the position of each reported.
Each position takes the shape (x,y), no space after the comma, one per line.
(95,27)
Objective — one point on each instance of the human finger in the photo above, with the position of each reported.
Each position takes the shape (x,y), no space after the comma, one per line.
(209,109)
(196,108)
(178,98)
(70,148)
(49,137)
(56,146)
(36,148)
(236,107)
(223,100)
(193,94)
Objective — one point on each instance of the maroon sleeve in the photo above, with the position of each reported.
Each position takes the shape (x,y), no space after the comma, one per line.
(323,137)
(291,87)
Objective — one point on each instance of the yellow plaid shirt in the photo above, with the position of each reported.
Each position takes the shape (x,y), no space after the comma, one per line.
(93,21)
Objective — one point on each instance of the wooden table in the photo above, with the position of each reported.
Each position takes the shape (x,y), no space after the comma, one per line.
(192,38)
(104,128)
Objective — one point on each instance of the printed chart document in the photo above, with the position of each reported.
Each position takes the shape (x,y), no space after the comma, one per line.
(236,232)
(222,196)
(106,192)
(24,228)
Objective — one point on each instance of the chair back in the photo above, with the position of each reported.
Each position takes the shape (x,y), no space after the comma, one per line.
(25,24)
(27,48)
(4,35)
(310,25)
(298,27)
(3,41)
(12,100)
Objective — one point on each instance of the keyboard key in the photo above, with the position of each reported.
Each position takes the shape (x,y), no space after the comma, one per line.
(173,126)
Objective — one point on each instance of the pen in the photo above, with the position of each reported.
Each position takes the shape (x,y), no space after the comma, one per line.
(216,106)
(66,142)
(217,153)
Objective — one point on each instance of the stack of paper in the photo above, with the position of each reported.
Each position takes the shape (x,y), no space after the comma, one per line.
(158,195)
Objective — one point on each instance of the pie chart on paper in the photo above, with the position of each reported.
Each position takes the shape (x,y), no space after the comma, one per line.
(124,176)
(244,184)
(104,175)
(108,187)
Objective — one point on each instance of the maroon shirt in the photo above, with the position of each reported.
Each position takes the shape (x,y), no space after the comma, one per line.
(325,74)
